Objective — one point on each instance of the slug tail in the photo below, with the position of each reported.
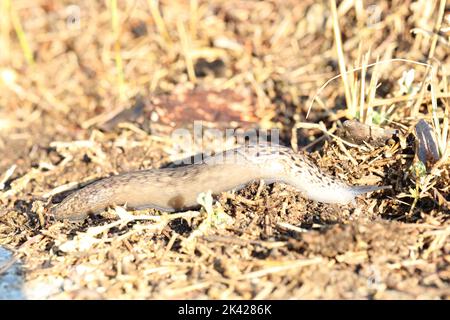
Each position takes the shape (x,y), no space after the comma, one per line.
(358,190)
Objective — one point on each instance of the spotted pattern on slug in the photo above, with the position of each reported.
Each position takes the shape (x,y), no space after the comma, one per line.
(174,189)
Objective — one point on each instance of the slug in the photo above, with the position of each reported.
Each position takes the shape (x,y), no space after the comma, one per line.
(176,189)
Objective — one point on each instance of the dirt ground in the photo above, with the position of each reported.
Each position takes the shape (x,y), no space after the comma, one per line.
(98,88)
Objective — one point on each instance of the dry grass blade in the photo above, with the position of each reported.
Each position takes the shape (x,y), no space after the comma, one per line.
(341,59)
(437,27)
(153,5)
(117,50)
(185,43)
(360,68)
(15,20)
(282,267)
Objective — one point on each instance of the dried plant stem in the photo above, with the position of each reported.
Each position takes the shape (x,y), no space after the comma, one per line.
(117,54)
(24,44)
(437,27)
(341,59)
(185,44)
(359,68)
(372,90)
(159,21)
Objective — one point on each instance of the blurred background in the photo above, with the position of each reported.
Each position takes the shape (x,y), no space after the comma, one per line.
(68,67)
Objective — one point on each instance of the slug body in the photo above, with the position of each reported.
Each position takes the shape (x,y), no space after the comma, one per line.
(176,189)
